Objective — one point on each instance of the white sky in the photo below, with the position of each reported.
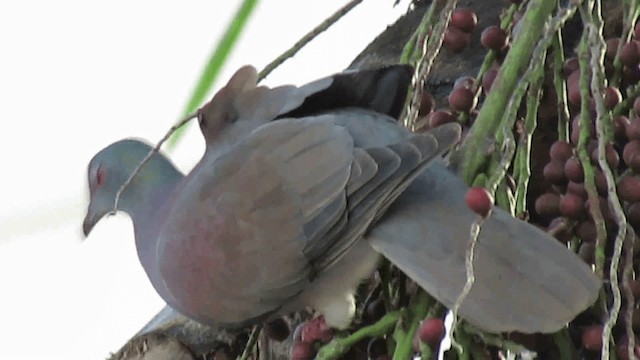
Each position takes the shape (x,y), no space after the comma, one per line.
(76,76)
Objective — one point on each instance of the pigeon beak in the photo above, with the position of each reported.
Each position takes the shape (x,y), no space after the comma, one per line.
(88,223)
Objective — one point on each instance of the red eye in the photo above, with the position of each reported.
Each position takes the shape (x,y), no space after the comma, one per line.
(99,176)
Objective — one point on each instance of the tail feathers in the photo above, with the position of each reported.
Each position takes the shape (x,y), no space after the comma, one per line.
(525,280)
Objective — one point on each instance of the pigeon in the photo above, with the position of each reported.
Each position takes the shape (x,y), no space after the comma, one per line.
(299,194)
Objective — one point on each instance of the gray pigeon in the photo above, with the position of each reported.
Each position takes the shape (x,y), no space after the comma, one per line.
(281,215)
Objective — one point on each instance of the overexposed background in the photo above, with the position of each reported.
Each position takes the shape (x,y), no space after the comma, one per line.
(76,76)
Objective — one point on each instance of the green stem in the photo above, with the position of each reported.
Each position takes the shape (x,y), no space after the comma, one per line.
(489,122)
(413,48)
(464,341)
(504,198)
(338,347)
(523,156)
(418,309)
(560,87)
(584,156)
(426,352)
(564,344)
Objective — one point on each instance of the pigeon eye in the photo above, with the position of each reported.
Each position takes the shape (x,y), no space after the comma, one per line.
(100,176)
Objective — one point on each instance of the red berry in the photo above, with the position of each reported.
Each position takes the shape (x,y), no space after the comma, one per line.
(631,75)
(455,40)
(316,330)
(554,172)
(488,78)
(620,124)
(629,188)
(611,155)
(633,215)
(570,66)
(571,206)
(576,127)
(573,170)
(632,130)
(612,48)
(431,331)
(601,182)
(630,54)
(463,100)
(547,205)
(302,351)
(586,231)
(440,117)
(622,349)
(631,155)
(466,82)
(494,38)
(577,188)
(464,20)
(574,78)
(592,337)
(561,151)
(479,200)
(575,136)
(612,97)
(573,88)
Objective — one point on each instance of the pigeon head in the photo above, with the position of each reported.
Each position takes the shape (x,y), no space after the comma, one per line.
(108,171)
(223,110)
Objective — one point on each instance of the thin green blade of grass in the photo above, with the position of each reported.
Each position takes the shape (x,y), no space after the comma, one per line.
(214,64)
